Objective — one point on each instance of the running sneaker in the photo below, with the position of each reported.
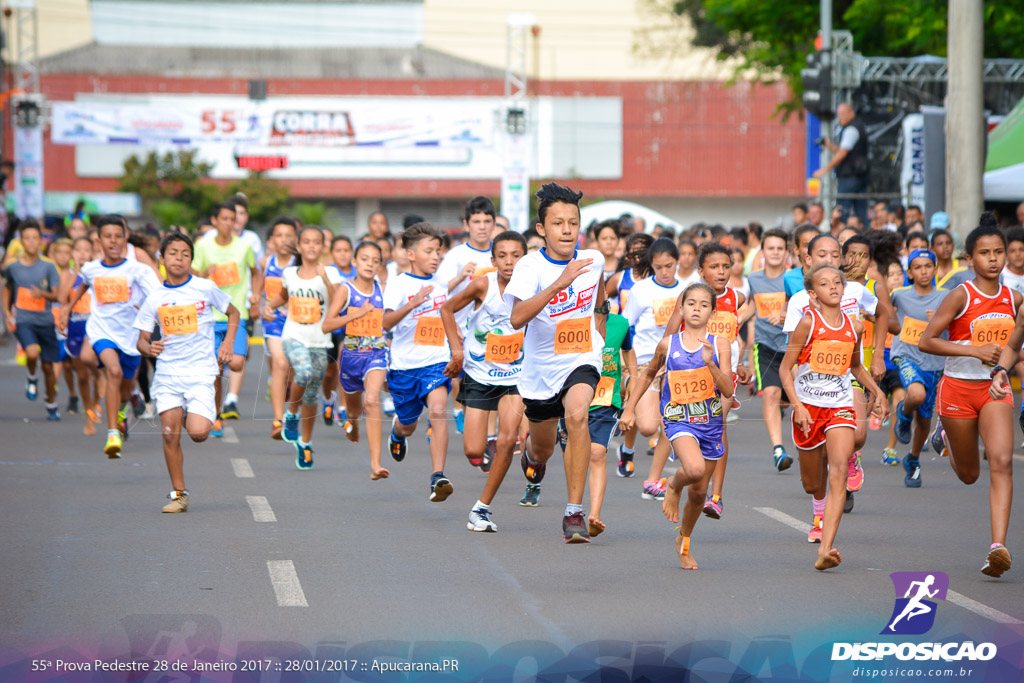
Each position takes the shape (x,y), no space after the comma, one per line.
(490,452)
(388,405)
(138,404)
(531,497)
(903,425)
(291,428)
(997,562)
(229,411)
(848,505)
(430,433)
(440,487)
(480,520)
(625,468)
(303,456)
(912,466)
(328,413)
(889,457)
(218,428)
(782,460)
(276,427)
(874,423)
(397,448)
(814,535)
(340,416)
(938,440)
(122,421)
(113,447)
(534,471)
(519,447)
(150,412)
(179,502)
(574,528)
(460,421)
(52,413)
(653,490)
(713,507)
(32,388)
(855,474)
(72,405)
(732,418)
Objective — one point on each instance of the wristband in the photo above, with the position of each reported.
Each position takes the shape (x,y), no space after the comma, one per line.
(602,309)
(997,369)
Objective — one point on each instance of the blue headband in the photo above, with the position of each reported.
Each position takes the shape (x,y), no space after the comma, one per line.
(918,253)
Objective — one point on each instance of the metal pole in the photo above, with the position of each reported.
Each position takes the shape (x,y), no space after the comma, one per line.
(827,187)
(965,124)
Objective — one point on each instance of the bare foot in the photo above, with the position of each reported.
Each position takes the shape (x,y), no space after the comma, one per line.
(670,506)
(686,560)
(90,427)
(828,560)
(352,432)
(379,473)
(595,526)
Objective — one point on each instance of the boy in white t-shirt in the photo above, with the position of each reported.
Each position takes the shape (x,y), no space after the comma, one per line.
(187,364)
(419,351)
(558,290)
(118,286)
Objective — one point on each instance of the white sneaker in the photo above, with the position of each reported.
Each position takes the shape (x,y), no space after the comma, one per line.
(388,405)
(150,412)
(479,520)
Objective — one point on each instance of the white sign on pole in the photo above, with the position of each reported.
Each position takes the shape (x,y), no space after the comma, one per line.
(912,171)
(28,172)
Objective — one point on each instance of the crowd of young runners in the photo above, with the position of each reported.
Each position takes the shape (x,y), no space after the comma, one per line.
(553,338)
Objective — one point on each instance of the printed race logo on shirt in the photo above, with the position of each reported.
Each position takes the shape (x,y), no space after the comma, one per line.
(568,301)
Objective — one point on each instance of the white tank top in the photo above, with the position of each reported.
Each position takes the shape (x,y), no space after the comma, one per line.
(488,329)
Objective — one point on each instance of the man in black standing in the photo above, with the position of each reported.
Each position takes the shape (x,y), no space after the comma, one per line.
(849,161)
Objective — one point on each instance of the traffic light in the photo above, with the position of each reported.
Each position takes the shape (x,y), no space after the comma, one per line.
(515,120)
(817,84)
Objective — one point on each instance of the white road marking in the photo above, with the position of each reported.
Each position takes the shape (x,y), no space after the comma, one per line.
(951,596)
(261,511)
(229,435)
(1019,457)
(978,608)
(788,520)
(286,584)
(242,468)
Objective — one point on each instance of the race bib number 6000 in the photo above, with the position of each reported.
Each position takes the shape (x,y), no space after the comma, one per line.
(573,336)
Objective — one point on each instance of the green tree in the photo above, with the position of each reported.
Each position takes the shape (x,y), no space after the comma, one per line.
(176,188)
(310,214)
(767,39)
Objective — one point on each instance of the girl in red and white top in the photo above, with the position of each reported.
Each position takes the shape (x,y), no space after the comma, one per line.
(825,348)
(974,396)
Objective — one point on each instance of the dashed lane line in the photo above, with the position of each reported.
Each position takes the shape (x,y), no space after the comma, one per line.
(261,510)
(286,583)
(242,468)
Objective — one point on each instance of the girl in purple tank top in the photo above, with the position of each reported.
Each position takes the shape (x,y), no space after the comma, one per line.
(699,376)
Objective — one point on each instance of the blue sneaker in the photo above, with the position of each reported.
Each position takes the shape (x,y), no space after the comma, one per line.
(291,428)
(218,428)
(912,466)
(903,424)
(303,456)
(782,459)
(52,414)
(938,443)
(460,421)
(32,388)
(889,457)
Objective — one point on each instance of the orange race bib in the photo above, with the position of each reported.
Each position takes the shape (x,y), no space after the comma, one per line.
(604,392)
(573,336)
(429,332)
(369,325)
(888,340)
(226,274)
(691,386)
(991,331)
(111,290)
(868,341)
(55,310)
(723,324)
(84,305)
(503,348)
(831,357)
(27,302)
(178,319)
(912,330)
(304,310)
(769,304)
(271,287)
(663,310)
(481,271)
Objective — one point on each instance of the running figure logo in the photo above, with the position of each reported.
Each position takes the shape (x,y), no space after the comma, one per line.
(914,613)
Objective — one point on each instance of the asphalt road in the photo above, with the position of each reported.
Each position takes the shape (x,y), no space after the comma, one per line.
(325,562)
